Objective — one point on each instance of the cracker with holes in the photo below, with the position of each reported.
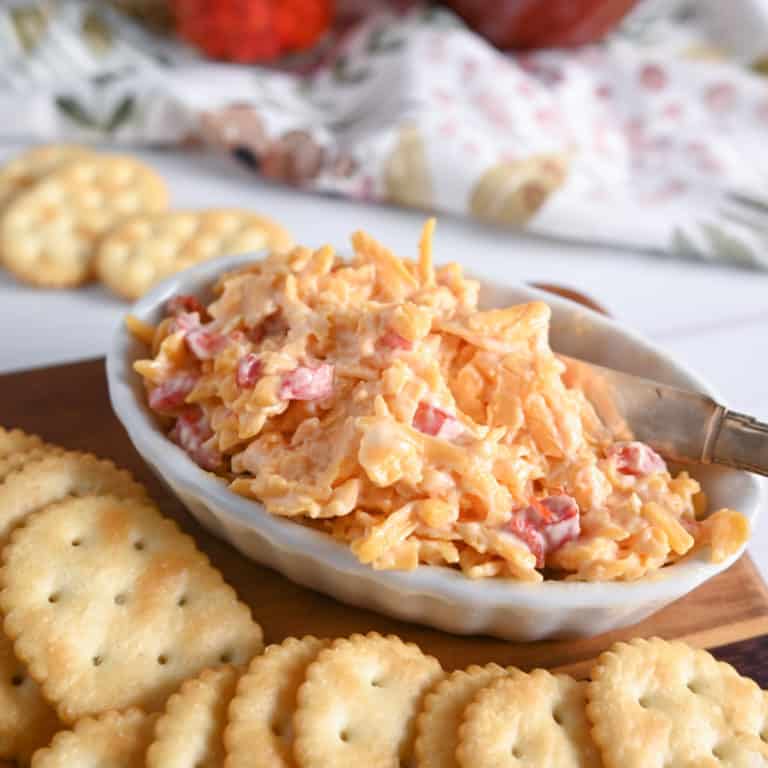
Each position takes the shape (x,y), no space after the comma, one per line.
(359,703)
(29,167)
(527,721)
(191,730)
(53,478)
(437,727)
(145,249)
(40,476)
(115,739)
(259,734)
(111,606)
(653,702)
(27,721)
(49,233)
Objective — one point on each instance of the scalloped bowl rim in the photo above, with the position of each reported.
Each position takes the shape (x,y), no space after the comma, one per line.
(436,581)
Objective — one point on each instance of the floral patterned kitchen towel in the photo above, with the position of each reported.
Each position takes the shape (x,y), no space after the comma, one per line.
(654,139)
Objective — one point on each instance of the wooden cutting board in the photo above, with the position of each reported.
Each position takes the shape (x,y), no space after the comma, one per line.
(69,405)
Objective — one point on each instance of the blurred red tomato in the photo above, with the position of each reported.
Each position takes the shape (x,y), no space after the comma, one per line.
(251,30)
(541,23)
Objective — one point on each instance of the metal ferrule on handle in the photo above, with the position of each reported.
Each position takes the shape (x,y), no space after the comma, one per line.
(739,441)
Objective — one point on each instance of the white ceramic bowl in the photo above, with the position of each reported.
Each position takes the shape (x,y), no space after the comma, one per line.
(431,595)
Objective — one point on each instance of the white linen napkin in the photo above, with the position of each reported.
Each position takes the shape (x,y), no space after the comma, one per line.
(647,141)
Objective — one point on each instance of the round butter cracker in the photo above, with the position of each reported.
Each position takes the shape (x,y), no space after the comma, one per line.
(27,720)
(16,441)
(24,170)
(190,731)
(654,702)
(115,739)
(111,606)
(15,462)
(49,232)
(437,727)
(359,703)
(147,248)
(40,483)
(260,731)
(527,721)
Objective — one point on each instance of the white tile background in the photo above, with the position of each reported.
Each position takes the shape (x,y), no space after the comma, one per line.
(714,319)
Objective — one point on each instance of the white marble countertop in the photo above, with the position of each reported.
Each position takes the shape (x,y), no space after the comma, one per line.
(714,319)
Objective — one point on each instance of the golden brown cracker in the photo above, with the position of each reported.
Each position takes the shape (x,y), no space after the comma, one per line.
(29,167)
(111,606)
(190,732)
(49,233)
(147,248)
(27,721)
(53,478)
(437,727)
(15,462)
(526,721)
(113,740)
(653,702)
(359,703)
(259,734)
(16,441)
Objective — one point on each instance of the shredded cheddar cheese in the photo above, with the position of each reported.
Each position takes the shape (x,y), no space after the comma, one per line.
(372,400)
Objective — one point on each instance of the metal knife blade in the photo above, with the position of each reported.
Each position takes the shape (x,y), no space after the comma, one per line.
(681,425)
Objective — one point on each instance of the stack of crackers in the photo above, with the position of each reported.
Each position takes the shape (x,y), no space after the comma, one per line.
(123,647)
(69,215)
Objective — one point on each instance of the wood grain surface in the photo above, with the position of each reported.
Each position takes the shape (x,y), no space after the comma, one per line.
(69,405)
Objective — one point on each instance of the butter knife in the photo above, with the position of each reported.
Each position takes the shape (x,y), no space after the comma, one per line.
(683,426)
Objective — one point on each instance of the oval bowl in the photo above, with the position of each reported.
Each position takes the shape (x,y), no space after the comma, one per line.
(432,595)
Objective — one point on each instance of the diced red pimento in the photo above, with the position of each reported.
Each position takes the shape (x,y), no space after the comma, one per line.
(546,525)
(249,369)
(436,422)
(184,303)
(308,383)
(172,393)
(527,532)
(560,520)
(191,432)
(393,340)
(636,458)
(204,343)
